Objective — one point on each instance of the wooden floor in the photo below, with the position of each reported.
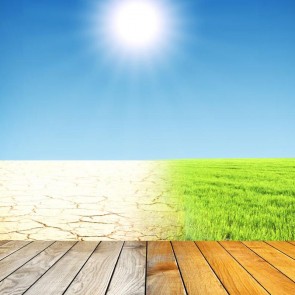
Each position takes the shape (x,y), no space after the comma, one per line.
(46,267)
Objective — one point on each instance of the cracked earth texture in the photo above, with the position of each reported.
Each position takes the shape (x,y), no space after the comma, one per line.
(87,200)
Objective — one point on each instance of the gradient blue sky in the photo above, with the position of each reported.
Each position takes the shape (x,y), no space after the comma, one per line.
(225,89)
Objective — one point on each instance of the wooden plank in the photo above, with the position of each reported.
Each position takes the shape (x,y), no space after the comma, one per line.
(8,248)
(292,242)
(163,276)
(268,276)
(19,281)
(129,275)
(20,257)
(284,247)
(197,275)
(279,260)
(96,273)
(234,277)
(60,275)
(3,242)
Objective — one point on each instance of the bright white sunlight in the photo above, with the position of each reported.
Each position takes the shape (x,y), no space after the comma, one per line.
(137,24)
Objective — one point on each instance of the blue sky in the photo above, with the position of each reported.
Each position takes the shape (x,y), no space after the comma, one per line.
(225,87)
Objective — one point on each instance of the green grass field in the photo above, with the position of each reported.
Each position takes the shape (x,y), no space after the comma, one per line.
(242,199)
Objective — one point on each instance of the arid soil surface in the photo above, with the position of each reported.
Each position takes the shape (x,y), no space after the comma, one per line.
(86,200)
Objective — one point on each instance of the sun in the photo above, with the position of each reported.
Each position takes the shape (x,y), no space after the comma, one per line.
(139,33)
(136,25)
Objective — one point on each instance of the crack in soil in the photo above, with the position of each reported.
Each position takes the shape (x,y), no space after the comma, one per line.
(77,200)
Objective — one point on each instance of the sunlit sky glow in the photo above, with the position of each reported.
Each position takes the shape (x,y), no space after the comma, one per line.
(136,24)
(129,30)
(208,78)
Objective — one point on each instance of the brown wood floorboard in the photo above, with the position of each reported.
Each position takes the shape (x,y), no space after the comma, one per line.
(269,277)
(152,268)
(278,259)
(284,247)
(163,276)
(198,276)
(233,276)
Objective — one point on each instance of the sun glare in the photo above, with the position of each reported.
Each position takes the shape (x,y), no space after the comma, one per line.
(140,33)
(135,26)
(136,23)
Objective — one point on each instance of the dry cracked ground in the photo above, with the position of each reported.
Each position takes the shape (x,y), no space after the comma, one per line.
(87,200)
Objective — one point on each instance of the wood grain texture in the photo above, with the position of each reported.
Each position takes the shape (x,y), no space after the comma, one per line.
(268,276)
(234,277)
(60,275)
(163,276)
(20,257)
(88,268)
(8,248)
(282,262)
(19,281)
(129,275)
(197,275)
(284,247)
(94,277)
(292,242)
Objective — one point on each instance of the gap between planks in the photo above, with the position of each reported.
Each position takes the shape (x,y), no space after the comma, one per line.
(150,268)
